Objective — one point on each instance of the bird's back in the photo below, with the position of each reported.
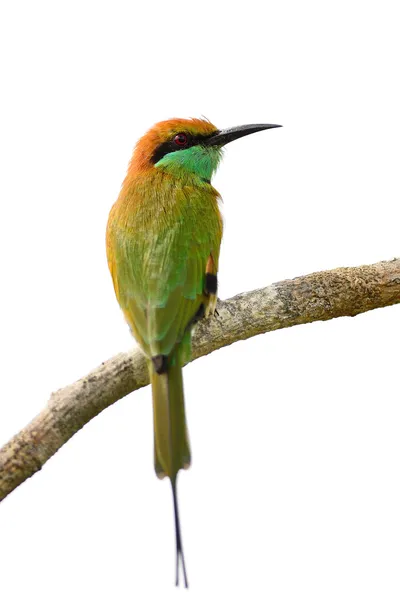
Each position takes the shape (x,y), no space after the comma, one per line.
(160,235)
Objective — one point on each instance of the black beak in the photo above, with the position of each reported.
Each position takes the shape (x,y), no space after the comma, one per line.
(220,138)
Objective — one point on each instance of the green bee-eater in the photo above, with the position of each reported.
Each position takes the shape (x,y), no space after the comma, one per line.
(163,240)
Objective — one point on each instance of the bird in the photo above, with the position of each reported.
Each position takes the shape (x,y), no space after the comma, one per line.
(163,243)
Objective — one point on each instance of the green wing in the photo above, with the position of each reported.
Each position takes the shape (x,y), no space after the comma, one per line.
(160,256)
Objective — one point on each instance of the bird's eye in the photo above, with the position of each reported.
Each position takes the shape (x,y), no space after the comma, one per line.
(181,140)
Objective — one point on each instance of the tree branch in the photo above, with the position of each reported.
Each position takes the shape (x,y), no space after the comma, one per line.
(315,297)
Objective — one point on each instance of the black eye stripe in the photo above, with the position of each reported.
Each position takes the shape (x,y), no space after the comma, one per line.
(170,146)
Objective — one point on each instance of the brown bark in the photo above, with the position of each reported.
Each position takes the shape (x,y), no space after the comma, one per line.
(316,297)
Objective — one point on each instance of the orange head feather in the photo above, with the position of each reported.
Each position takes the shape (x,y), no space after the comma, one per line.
(163,132)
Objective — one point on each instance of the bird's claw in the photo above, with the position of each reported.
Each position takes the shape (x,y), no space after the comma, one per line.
(211,308)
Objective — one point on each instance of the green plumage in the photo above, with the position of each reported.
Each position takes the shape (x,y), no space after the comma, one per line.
(162,236)
(163,239)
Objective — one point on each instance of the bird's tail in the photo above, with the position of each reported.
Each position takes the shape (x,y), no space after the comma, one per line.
(171,443)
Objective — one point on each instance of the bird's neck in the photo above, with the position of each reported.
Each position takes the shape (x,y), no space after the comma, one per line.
(196,164)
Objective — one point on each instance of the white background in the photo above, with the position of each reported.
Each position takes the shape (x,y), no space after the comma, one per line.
(294,490)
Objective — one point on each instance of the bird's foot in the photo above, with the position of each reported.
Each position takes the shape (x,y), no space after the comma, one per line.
(211,308)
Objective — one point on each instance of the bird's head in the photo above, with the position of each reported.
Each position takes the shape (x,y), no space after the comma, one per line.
(186,146)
